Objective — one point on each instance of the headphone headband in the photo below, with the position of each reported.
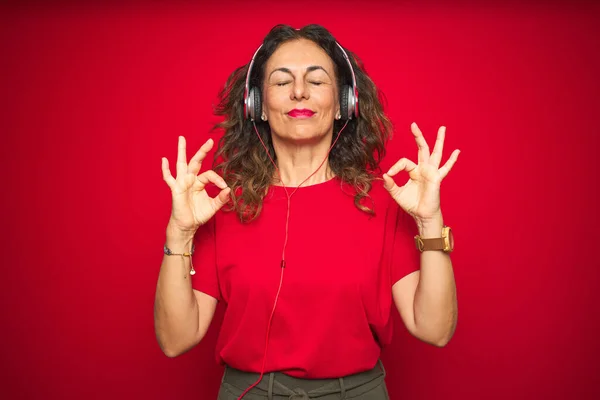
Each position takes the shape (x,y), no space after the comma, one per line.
(349,64)
(247,88)
(348,98)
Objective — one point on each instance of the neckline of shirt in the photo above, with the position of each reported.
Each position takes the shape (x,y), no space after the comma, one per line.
(315,185)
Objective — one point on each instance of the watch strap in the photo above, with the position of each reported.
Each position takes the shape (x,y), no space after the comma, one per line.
(429,244)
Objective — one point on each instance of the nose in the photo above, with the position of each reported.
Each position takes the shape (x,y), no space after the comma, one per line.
(299,90)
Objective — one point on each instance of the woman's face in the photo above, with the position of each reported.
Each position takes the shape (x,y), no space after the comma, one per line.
(300,95)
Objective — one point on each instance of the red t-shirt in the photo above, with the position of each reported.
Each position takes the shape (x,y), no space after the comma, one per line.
(334,311)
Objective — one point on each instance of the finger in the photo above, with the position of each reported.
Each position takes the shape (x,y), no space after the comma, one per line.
(181,157)
(167,173)
(209,176)
(221,199)
(449,164)
(404,164)
(196,160)
(390,185)
(436,155)
(421,143)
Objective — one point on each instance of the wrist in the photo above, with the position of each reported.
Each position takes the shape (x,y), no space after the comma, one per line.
(179,236)
(430,227)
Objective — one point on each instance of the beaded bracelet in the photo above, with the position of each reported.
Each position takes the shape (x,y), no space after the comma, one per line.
(168,252)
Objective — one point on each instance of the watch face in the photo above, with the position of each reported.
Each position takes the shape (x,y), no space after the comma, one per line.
(449,239)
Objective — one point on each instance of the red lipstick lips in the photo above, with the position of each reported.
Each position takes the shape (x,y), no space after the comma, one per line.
(301,113)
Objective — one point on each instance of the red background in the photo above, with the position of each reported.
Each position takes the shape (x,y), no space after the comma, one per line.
(92,97)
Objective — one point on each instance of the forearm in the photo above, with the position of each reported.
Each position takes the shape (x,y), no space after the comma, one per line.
(175,307)
(435,304)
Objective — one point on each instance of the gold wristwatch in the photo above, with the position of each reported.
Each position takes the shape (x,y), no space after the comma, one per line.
(445,243)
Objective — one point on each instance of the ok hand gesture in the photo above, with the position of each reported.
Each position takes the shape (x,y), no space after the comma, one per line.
(420,196)
(192,206)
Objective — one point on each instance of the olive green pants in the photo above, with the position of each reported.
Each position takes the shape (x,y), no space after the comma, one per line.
(368,385)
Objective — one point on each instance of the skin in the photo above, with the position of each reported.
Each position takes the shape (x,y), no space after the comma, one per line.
(300,75)
(426,299)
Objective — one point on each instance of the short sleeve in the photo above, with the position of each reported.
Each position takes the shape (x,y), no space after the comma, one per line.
(206,279)
(405,258)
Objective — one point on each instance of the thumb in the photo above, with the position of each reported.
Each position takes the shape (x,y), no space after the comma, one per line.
(390,185)
(221,199)
(388,182)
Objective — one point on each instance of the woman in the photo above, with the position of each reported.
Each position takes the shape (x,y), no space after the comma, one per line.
(314,244)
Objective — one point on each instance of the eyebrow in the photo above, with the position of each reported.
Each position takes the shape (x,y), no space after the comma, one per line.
(309,69)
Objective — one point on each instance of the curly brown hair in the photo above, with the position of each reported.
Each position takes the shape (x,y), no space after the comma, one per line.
(241,159)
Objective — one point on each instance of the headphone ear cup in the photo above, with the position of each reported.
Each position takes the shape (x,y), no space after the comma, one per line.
(344,96)
(254,104)
(248,105)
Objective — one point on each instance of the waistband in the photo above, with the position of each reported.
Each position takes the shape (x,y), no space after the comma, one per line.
(280,384)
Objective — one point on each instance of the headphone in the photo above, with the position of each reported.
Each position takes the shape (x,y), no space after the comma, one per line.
(348,94)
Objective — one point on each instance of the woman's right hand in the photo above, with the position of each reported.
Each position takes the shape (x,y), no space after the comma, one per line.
(192,206)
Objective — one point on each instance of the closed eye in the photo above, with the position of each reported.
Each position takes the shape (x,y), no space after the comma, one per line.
(282,83)
(316,83)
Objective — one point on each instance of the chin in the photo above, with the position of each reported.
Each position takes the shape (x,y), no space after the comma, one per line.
(305,133)
(305,136)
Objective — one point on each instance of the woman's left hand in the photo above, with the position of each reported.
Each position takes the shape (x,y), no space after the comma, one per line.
(420,196)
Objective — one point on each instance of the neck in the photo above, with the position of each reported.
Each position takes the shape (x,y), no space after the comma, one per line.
(297,161)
